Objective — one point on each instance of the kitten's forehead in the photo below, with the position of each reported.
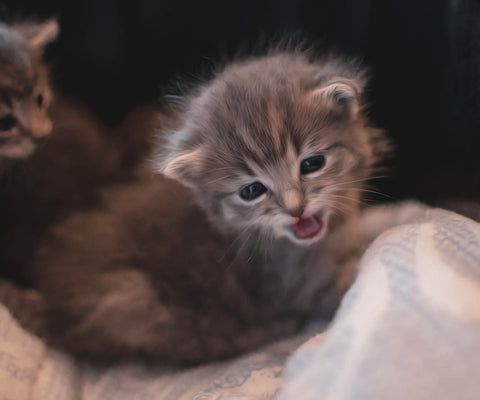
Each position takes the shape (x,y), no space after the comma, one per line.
(18,72)
(258,119)
(261,109)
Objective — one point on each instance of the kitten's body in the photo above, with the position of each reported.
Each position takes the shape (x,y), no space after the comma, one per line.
(81,154)
(147,274)
(161,276)
(80,157)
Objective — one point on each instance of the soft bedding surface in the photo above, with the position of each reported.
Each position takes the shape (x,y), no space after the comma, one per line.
(409,328)
(30,370)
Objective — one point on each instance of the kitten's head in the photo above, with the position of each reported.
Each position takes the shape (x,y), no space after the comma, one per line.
(276,144)
(24,89)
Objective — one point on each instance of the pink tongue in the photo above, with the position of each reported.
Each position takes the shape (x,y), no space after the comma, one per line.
(306,228)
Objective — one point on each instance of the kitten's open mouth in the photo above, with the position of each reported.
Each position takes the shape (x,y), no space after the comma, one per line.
(308,227)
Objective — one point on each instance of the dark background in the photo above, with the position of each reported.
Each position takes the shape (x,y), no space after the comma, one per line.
(424,56)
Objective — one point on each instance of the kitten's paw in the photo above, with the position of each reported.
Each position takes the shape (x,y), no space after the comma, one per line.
(376,220)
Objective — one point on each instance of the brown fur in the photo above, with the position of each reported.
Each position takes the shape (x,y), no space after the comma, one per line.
(25,92)
(195,274)
(138,279)
(81,156)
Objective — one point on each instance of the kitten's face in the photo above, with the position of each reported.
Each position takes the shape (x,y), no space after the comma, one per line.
(24,89)
(276,145)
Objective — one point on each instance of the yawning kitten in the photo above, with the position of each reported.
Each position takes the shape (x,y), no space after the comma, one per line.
(24,89)
(274,152)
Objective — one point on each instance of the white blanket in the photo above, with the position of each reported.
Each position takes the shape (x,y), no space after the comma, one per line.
(29,370)
(409,328)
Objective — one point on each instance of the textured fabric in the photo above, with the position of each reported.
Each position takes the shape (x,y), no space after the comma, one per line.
(30,371)
(409,328)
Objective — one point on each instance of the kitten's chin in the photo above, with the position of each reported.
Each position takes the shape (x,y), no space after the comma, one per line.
(18,150)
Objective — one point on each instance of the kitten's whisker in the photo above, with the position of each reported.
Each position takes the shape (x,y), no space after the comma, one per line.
(271,238)
(243,244)
(367,188)
(254,247)
(361,201)
(333,205)
(359,189)
(233,242)
(376,192)
(345,195)
(356,181)
(336,210)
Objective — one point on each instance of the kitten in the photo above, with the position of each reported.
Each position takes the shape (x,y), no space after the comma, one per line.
(24,88)
(81,156)
(277,145)
(272,155)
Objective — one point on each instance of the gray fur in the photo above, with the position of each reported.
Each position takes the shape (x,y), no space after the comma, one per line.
(256,121)
(192,274)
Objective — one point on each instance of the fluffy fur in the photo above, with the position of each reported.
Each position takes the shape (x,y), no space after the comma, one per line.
(24,88)
(256,122)
(80,156)
(192,272)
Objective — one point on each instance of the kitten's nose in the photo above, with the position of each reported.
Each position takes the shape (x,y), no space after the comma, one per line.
(296,212)
(41,130)
(293,202)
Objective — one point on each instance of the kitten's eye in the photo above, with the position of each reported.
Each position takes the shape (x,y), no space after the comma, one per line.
(7,122)
(39,100)
(252,191)
(312,164)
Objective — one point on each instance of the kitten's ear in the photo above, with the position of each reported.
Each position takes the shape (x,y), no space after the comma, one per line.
(180,165)
(38,35)
(341,96)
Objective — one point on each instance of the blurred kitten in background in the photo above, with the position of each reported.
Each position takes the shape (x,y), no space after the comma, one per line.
(25,93)
(80,155)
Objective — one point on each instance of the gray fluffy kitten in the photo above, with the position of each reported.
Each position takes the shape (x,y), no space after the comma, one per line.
(24,88)
(273,154)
